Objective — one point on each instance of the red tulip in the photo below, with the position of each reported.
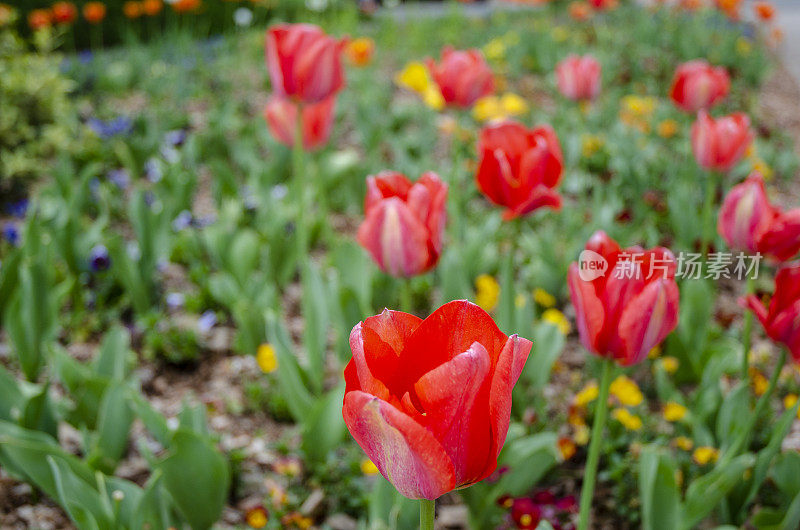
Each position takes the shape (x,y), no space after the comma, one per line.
(782,320)
(747,221)
(304,63)
(39,19)
(519,167)
(579,77)
(463,76)
(698,85)
(429,401)
(628,307)
(719,144)
(404,222)
(602,5)
(64,13)
(281,116)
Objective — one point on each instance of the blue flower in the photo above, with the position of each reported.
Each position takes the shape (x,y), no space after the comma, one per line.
(175,138)
(120,177)
(152,170)
(184,220)
(206,321)
(18,209)
(99,260)
(175,300)
(120,125)
(11,233)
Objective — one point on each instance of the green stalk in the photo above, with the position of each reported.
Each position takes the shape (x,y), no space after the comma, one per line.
(590,475)
(299,176)
(761,405)
(747,332)
(708,207)
(427,511)
(406,298)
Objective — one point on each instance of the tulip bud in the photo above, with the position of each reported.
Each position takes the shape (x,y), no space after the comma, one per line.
(719,144)
(579,77)
(463,76)
(404,222)
(304,63)
(697,85)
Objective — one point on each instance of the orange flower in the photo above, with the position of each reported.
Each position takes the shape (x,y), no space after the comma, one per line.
(132,9)
(186,6)
(764,10)
(359,51)
(64,13)
(152,7)
(729,7)
(94,12)
(39,19)
(6,14)
(580,10)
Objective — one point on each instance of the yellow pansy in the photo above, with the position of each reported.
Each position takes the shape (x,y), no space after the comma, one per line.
(368,467)
(257,517)
(581,435)
(674,411)
(558,319)
(566,447)
(670,364)
(654,352)
(758,381)
(626,391)
(684,443)
(586,395)
(513,104)
(705,455)
(414,77)
(486,108)
(487,292)
(543,298)
(266,358)
(630,421)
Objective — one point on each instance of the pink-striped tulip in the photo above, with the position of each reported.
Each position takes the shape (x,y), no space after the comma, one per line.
(404,222)
(304,63)
(718,144)
(429,401)
(630,302)
(463,76)
(782,320)
(281,116)
(698,85)
(748,221)
(578,78)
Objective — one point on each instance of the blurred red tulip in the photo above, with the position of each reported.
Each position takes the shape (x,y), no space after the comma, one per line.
(579,77)
(698,85)
(304,63)
(747,221)
(463,76)
(628,306)
(429,401)
(39,19)
(602,5)
(94,12)
(404,222)
(281,116)
(519,167)
(719,144)
(64,13)
(764,10)
(782,320)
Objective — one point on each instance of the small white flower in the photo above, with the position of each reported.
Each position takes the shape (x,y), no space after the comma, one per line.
(243,17)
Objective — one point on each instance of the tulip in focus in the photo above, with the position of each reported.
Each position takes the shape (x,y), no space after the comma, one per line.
(429,401)
(782,320)
(749,222)
(359,51)
(304,63)
(463,76)
(404,222)
(281,116)
(697,85)
(718,144)
(39,19)
(519,167)
(64,13)
(632,307)
(579,77)
(94,12)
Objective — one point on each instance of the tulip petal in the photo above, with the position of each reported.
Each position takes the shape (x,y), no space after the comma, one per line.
(589,311)
(406,453)
(383,339)
(647,320)
(752,303)
(448,394)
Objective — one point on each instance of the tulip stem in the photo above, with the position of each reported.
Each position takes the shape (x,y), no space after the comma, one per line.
(590,474)
(761,404)
(708,207)
(406,298)
(747,332)
(298,174)
(427,514)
